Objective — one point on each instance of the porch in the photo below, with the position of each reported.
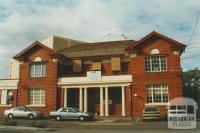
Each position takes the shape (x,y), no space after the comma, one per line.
(105,96)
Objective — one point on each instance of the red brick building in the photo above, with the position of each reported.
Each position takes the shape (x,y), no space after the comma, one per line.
(108,78)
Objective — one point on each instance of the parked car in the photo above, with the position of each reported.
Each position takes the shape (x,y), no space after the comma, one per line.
(22,112)
(151,113)
(71,113)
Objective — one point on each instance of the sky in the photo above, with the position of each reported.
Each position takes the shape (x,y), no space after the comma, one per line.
(24,21)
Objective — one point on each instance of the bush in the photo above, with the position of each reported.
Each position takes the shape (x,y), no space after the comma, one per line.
(8,122)
(39,124)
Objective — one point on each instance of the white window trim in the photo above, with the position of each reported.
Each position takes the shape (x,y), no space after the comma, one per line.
(6,98)
(37,105)
(155,104)
(36,74)
(151,71)
(158,103)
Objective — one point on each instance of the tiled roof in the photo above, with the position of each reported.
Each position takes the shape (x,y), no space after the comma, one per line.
(35,44)
(97,49)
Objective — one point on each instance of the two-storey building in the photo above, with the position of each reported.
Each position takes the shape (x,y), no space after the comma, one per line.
(108,78)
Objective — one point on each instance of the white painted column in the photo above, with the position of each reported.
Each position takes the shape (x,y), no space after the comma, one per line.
(85,99)
(101,102)
(81,99)
(106,102)
(4,97)
(65,97)
(123,102)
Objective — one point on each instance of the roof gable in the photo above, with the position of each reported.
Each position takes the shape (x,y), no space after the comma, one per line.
(34,45)
(152,35)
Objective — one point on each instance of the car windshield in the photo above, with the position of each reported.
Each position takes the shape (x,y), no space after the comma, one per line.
(76,109)
(149,109)
(27,109)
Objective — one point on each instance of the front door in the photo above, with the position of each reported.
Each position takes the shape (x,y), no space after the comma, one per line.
(94,100)
(73,97)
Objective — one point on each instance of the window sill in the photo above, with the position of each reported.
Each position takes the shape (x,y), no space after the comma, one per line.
(37,78)
(9,105)
(37,106)
(156,104)
(157,72)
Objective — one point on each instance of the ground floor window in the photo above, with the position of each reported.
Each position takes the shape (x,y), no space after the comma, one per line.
(157,93)
(115,96)
(36,96)
(6,97)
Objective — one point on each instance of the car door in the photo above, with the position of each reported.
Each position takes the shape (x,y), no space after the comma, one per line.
(20,112)
(64,113)
(72,114)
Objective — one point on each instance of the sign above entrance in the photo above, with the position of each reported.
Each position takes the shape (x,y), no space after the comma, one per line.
(94,75)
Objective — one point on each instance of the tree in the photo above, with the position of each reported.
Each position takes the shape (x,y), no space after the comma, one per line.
(191,89)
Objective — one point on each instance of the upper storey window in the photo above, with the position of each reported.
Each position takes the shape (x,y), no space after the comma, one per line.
(37,70)
(115,64)
(155,63)
(96,65)
(77,65)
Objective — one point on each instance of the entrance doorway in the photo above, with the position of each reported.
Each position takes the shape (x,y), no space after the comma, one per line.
(73,97)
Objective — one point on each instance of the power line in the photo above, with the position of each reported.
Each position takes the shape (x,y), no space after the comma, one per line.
(143,24)
(193,32)
(192,56)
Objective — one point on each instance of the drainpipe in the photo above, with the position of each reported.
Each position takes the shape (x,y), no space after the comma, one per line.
(131,102)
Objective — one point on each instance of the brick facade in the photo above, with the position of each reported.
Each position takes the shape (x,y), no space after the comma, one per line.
(48,83)
(172,77)
(135,94)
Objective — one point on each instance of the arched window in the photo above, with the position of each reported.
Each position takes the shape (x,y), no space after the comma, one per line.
(155,51)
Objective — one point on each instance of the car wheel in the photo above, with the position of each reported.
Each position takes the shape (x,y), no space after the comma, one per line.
(81,118)
(58,118)
(31,116)
(10,116)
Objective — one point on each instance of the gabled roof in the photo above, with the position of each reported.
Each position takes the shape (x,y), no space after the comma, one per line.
(35,44)
(140,43)
(97,49)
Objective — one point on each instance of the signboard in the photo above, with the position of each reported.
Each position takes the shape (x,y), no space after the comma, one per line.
(94,75)
(109,101)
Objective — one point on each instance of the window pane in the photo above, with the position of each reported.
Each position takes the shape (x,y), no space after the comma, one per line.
(37,96)
(38,70)
(155,63)
(149,95)
(157,93)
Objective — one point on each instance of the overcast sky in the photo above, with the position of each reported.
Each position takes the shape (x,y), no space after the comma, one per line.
(24,21)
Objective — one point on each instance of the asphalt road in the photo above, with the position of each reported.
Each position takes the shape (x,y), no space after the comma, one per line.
(96,127)
(96,131)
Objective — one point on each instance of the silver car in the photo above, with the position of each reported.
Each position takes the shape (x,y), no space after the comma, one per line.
(71,113)
(22,112)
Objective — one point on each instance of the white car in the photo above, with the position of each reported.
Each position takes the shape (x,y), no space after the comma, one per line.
(71,113)
(22,112)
